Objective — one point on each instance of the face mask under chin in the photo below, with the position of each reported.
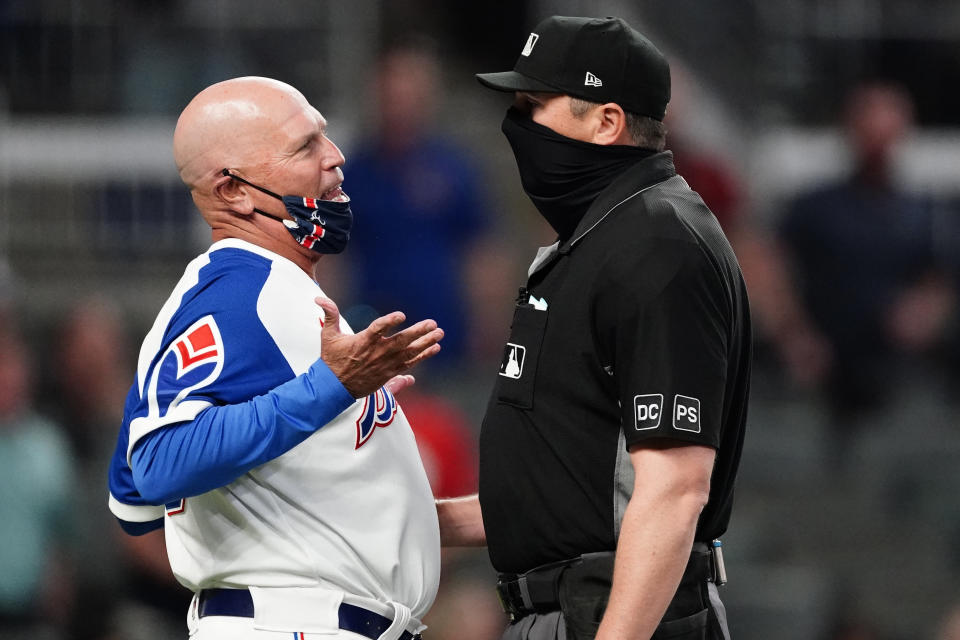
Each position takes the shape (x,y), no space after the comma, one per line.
(322,226)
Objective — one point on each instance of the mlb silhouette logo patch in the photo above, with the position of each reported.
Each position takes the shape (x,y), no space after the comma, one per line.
(647,410)
(513,357)
(686,414)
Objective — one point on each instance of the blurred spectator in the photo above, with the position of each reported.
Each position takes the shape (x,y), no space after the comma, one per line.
(778,316)
(949,628)
(36,582)
(710,174)
(446,442)
(90,364)
(418,201)
(781,320)
(855,630)
(8,291)
(862,251)
(131,591)
(466,607)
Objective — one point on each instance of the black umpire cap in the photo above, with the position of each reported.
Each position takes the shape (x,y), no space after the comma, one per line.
(596,59)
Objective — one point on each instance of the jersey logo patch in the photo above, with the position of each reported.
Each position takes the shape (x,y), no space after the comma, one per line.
(378,411)
(513,357)
(686,414)
(197,346)
(647,410)
(192,361)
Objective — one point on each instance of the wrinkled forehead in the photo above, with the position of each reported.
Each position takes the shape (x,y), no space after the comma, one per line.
(276,118)
(300,124)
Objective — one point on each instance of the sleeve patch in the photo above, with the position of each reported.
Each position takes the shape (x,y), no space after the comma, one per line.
(647,410)
(193,361)
(686,414)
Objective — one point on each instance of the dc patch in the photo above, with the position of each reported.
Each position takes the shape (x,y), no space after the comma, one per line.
(686,414)
(513,357)
(647,410)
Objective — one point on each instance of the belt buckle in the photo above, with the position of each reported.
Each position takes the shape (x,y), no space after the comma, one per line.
(506,603)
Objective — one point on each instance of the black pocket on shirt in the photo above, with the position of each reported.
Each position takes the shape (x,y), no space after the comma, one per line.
(518,368)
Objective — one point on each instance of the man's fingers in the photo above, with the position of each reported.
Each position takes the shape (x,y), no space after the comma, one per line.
(429,352)
(331,314)
(385,324)
(409,335)
(424,342)
(398,383)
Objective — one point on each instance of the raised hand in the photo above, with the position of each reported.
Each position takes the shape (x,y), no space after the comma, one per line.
(365,361)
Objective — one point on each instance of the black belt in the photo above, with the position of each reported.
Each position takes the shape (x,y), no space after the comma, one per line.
(238,603)
(538,590)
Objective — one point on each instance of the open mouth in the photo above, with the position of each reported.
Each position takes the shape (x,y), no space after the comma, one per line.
(336,195)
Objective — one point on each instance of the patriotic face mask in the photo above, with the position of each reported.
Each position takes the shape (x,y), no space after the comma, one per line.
(319,225)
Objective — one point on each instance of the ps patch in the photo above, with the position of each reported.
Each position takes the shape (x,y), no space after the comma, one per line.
(686,414)
(647,410)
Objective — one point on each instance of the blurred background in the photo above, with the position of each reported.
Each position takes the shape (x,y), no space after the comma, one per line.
(825,135)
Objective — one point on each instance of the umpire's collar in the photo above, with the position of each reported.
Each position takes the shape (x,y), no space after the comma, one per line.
(639,177)
(648,172)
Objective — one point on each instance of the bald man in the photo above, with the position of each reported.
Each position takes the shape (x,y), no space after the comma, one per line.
(250,432)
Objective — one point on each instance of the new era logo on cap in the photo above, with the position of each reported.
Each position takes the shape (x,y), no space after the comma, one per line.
(531,41)
(592,81)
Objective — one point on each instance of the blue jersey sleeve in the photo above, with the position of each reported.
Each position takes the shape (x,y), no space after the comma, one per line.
(136,515)
(224,442)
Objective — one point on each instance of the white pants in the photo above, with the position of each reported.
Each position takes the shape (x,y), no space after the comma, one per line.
(230,628)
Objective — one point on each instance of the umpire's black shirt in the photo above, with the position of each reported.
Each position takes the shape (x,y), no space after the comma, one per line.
(636,327)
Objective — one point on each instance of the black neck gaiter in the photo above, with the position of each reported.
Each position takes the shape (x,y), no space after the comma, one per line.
(563,176)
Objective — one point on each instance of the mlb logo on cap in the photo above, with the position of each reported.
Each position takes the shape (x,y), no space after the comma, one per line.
(528,48)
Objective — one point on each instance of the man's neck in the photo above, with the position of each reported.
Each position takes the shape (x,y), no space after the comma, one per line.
(305,259)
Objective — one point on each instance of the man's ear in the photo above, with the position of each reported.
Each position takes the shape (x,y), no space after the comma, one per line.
(611,125)
(233,194)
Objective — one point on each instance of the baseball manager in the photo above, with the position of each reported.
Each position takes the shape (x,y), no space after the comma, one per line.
(271,450)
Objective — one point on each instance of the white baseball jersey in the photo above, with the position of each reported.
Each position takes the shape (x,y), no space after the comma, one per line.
(349,508)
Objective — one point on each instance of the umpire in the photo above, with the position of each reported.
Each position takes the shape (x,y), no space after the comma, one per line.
(617,419)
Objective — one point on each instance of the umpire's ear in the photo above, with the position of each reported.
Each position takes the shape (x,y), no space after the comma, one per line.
(610,125)
(234,195)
